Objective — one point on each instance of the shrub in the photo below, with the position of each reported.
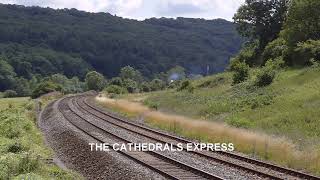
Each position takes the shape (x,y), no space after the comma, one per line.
(157,84)
(15,147)
(145,87)
(152,105)
(275,49)
(10,94)
(116,81)
(265,77)
(184,85)
(234,63)
(44,88)
(308,50)
(267,73)
(115,89)
(130,85)
(241,73)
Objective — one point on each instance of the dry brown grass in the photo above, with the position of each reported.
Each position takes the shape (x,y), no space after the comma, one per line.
(276,149)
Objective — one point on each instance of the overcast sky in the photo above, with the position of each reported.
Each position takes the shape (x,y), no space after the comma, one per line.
(141,9)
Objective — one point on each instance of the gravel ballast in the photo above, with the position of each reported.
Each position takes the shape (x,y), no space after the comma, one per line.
(71,147)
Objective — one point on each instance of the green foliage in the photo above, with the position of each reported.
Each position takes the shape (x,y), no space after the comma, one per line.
(265,77)
(73,85)
(308,50)
(213,82)
(7,75)
(95,81)
(145,87)
(267,73)
(261,20)
(275,49)
(129,72)
(240,122)
(302,22)
(22,151)
(152,104)
(241,72)
(44,88)
(115,89)
(186,85)
(116,81)
(10,94)
(248,54)
(78,42)
(130,85)
(157,84)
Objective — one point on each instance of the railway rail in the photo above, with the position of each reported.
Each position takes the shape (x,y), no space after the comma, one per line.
(250,165)
(165,166)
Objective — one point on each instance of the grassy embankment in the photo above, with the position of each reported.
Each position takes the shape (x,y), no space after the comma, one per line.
(280,123)
(23,154)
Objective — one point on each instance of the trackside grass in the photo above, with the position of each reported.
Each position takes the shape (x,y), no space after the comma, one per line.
(23,154)
(279,122)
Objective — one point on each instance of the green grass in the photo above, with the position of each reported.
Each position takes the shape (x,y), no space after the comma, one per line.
(282,120)
(289,107)
(22,151)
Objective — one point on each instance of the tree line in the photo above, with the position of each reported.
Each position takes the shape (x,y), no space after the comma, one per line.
(42,42)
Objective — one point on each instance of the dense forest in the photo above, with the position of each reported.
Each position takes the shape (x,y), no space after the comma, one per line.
(38,41)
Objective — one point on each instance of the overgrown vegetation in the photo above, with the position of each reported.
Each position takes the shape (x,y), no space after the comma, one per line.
(23,154)
(286,110)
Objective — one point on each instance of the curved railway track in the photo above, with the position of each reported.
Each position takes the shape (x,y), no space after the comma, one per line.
(260,168)
(165,166)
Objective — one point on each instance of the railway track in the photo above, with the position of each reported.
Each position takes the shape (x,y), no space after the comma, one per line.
(165,166)
(261,168)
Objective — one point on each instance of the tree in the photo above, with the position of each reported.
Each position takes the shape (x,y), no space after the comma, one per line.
(157,84)
(261,19)
(301,25)
(7,75)
(95,81)
(44,88)
(116,81)
(129,72)
(130,85)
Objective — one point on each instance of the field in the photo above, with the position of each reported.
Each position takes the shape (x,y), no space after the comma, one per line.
(23,154)
(279,123)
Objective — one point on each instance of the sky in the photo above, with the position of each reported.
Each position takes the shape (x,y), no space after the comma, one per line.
(142,9)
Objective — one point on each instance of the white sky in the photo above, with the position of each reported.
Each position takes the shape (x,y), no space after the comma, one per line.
(142,9)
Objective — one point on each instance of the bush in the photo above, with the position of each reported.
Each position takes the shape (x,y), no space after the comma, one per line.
(130,85)
(44,88)
(114,89)
(241,72)
(10,94)
(308,50)
(157,84)
(186,85)
(267,73)
(116,81)
(145,87)
(265,77)
(275,49)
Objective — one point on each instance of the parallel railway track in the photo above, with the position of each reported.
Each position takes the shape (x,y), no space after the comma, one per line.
(260,168)
(165,166)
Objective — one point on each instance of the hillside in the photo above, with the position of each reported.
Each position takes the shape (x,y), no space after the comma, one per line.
(282,117)
(45,41)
